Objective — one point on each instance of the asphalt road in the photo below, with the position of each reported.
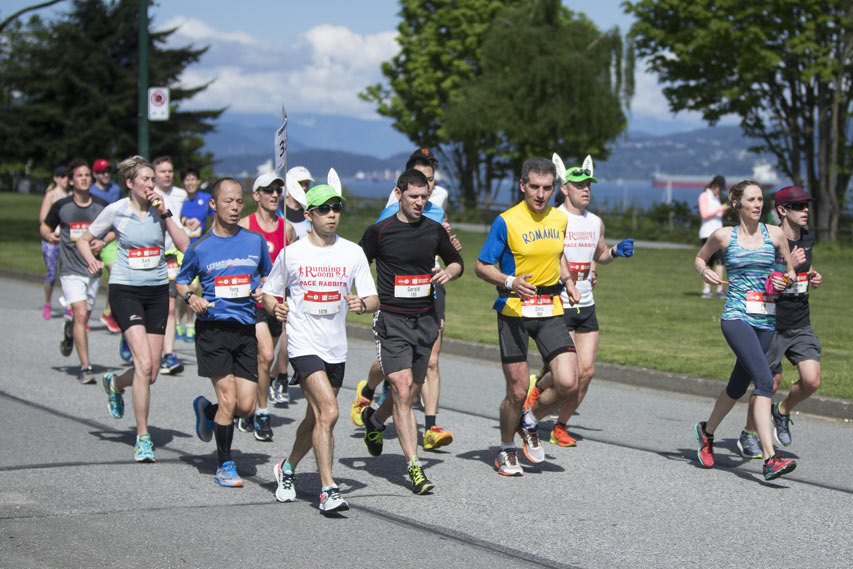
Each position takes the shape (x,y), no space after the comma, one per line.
(630,495)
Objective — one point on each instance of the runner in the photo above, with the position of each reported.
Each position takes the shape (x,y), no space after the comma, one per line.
(139,289)
(527,242)
(104,188)
(293,211)
(748,318)
(321,272)
(711,211)
(266,192)
(73,215)
(55,191)
(230,262)
(795,338)
(406,325)
(583,248)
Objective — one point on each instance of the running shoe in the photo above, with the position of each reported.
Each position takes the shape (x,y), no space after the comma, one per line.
(279,392)
(115,401)
(706,445)
(420,483)
(203,425)
(189,334)
(245,425)
(358,404)
(507,463)
(86,375)
(533,393)
(776,466)
(386,389)
(170,365)
(144,449)
(532,446)
(331,501)
(179,332)
(781,426)
(707,294)
(110,322)
(124,350)
(262,427)
(372,435)
(226,475)
(45,312)
(67,343)
(720,294)
(749,445)
(436,437)
(561,437)
(286,491)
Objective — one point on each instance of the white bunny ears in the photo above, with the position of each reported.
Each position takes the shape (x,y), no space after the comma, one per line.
(587,167)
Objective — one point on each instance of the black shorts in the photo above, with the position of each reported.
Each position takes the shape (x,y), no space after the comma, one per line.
(273,323)
(226,347)
(581,319)
(550,334)
(717,258)
(404,341)
(140,305)
(303,366)
(440,301)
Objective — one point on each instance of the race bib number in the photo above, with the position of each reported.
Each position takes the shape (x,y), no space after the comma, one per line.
(799,286)
(78,228)
(322,303)
(579,271)
(232,286)
(144,258)
(541,306)
(760,303)
(172,268)
(411,286)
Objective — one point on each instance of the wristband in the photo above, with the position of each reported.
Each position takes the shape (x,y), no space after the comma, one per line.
(508,282)
(167,214)
(612,252)
(363,306)
(187,296)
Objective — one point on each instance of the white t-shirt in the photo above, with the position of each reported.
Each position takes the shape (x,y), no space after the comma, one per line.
(438,197)
(174,202)
(582,235)
(711,203)
(318,277)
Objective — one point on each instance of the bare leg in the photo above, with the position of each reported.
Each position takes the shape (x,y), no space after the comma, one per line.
(517,382)
(321,416)
(401,408)
(564,369)
(146,352)
(587,347)
(431,388)
(78,331)
(266,355)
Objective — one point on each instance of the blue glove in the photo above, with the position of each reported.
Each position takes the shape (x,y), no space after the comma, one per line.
(625,248)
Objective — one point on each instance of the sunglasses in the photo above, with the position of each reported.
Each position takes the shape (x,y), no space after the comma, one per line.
(580,171)
(271,191)
(799,206)
(327,207)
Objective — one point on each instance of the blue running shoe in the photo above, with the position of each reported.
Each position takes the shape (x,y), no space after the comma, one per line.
(144,449)
(386,389)
(170,365)
(749,445)
(781,426)
(115,401)
(124,350)
(203,425)
(226,475)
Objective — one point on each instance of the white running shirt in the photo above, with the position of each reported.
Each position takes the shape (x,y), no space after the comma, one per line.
(582,235)
(318,277)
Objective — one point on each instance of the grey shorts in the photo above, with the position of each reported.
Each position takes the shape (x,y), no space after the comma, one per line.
(404,341)
(797,344)
(550,334)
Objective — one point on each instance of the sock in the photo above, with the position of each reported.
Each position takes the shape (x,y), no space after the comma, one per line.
(507,446)
(259,411)
(414,462)
(375,422)
(528,421)
(368,393)
(210,411)
(429,422)
(223,434)
(327,488)
(287,466)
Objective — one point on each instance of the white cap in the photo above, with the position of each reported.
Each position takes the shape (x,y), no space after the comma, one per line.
(299,173)
(266,180)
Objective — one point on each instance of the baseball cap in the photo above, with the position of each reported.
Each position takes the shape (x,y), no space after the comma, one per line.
(100,165)
(424,153)
(60,171)
(299,173)
(791,194)
(718,181)
(579,174)
(320,194)
(266,180)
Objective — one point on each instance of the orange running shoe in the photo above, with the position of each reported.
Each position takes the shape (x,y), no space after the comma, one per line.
(559,436)
(533,393)
(358,404)
(436,437)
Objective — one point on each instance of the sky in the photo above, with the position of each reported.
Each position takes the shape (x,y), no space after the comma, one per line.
(316,56)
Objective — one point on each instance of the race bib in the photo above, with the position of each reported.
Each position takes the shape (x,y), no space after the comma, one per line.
(172,268)
(411,286)
(541,306)
(232,286)
(799,286)
(144,258)
(579,271)
(78,228)
(760,303)
(322,303)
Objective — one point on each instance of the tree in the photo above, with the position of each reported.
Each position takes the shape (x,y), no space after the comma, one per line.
(783,66)
(68,88)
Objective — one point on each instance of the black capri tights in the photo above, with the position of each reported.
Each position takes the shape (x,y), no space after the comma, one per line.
(749,344)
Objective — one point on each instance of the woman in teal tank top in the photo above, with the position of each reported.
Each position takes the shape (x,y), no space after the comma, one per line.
(748,321)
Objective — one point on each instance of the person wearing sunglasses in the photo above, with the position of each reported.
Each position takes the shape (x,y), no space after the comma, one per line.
(795,339)
(320,272)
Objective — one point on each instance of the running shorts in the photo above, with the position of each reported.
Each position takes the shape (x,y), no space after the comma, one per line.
(303,366)
(550,334)
(580,319)
(797,344)
(77,288)
(226,347)
(140,305)
(404,341)
(273,323)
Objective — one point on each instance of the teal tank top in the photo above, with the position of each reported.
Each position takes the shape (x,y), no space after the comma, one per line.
(747,270)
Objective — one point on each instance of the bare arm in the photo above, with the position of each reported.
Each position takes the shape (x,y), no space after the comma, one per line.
(85,247)
(719,239)
(492,275)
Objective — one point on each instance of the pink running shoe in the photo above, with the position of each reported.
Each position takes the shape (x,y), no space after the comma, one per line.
(45,312)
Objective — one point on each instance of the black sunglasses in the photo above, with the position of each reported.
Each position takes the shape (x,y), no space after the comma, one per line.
(798,206)
(327,207)
(580,171)
(271,190)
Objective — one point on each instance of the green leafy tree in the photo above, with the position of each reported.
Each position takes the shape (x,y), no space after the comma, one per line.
(783,66)
(69,88)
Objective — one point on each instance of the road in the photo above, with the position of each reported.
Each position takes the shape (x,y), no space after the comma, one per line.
(631,494)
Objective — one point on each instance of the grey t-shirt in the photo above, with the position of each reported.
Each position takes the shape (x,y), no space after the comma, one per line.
(73,221)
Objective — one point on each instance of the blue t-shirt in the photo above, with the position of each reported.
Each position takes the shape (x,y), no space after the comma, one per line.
(111,195)
(229,269)
(431,211)
(197,208)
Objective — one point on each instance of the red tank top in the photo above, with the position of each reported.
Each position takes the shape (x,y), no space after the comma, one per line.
(276,239)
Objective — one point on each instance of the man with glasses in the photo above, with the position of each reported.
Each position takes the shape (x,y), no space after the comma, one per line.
(795,338)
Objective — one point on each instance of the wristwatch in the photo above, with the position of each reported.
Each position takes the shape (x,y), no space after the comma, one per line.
(167,214)
(187,296)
